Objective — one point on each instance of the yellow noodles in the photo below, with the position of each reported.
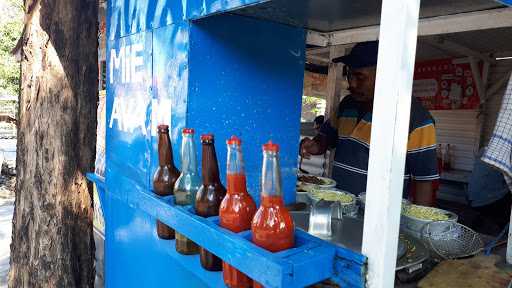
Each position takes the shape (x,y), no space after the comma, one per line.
(330,195)
(424,213)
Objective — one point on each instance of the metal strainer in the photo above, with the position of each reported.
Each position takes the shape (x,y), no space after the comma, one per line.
(451,240)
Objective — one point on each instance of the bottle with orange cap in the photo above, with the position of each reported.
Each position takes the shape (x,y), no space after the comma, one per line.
(237,208)
(185,188)
(272,226)
(209,196)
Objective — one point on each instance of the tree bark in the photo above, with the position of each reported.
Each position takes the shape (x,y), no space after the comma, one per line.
(52,242)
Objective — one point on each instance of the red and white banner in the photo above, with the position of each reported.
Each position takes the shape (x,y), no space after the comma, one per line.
(445,84)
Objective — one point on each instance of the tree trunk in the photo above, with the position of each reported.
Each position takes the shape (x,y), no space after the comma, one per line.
(52,242)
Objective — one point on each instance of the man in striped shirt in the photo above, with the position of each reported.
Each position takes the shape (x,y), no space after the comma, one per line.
(351,134)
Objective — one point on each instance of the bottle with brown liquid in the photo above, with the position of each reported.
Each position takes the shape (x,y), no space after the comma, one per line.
(186,187)
(165,176)
(209,196)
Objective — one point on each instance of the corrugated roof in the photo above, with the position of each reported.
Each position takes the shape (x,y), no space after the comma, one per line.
(482,41)
(488,41)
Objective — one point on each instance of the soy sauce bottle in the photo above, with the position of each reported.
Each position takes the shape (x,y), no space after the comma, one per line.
(165,176)
(209,196)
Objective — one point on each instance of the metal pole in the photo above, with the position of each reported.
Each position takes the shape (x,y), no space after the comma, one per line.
(390,124)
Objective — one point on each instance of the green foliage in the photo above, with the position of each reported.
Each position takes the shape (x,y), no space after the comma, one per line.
(16,5)
(312,101)
(10,31)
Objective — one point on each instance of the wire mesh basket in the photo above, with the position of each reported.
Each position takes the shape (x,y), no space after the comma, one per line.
(451,240)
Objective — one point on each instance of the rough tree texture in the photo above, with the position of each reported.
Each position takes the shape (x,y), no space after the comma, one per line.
(52,242)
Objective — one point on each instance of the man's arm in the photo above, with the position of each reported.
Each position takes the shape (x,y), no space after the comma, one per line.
(324,140)
(422,156)
(424,193)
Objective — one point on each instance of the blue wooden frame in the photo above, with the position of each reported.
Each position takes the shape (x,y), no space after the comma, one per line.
(177,56)
(163,67)
(296,267)
(505,2)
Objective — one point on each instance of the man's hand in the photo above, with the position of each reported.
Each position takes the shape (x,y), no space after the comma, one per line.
(315,146)
(305,144)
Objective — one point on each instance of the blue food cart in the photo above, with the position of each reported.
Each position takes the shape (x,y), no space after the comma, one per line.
(236,67)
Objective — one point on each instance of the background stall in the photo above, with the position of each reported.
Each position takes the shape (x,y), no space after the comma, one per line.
(193,64)
(463,98)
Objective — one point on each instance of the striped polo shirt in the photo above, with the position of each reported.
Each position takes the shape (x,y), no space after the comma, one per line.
(352,142)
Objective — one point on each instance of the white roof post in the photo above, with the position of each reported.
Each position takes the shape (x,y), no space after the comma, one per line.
(334,78)
(334,87)
(390,124)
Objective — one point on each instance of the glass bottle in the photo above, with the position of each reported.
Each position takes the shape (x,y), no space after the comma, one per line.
(272,226)
(439,156)
(186,187)
(237,209)
(209,196)
(165,176)
(447,159)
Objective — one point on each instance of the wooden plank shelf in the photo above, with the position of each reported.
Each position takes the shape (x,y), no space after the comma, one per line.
(295,267)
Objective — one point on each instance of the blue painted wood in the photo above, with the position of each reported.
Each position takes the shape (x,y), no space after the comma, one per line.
(177,71)
(170,88)
(101,187)
(202,8)
(351,256)
(305,256)
(290,268)
(240,85)
(127,17)
(506,2)
(128,107)
(136,257)
(193,265)
(98,180)
(217,240)
(349,269)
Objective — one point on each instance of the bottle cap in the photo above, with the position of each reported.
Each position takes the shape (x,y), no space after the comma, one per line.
(234,140)
(207,137)
(188,131)
(163,128)
(269,146)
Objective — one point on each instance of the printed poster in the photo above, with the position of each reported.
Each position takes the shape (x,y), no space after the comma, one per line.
(445,84)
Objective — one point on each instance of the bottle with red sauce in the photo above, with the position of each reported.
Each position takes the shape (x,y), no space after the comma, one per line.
(237,209)
(209,196)
(165,176)
(272,226)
